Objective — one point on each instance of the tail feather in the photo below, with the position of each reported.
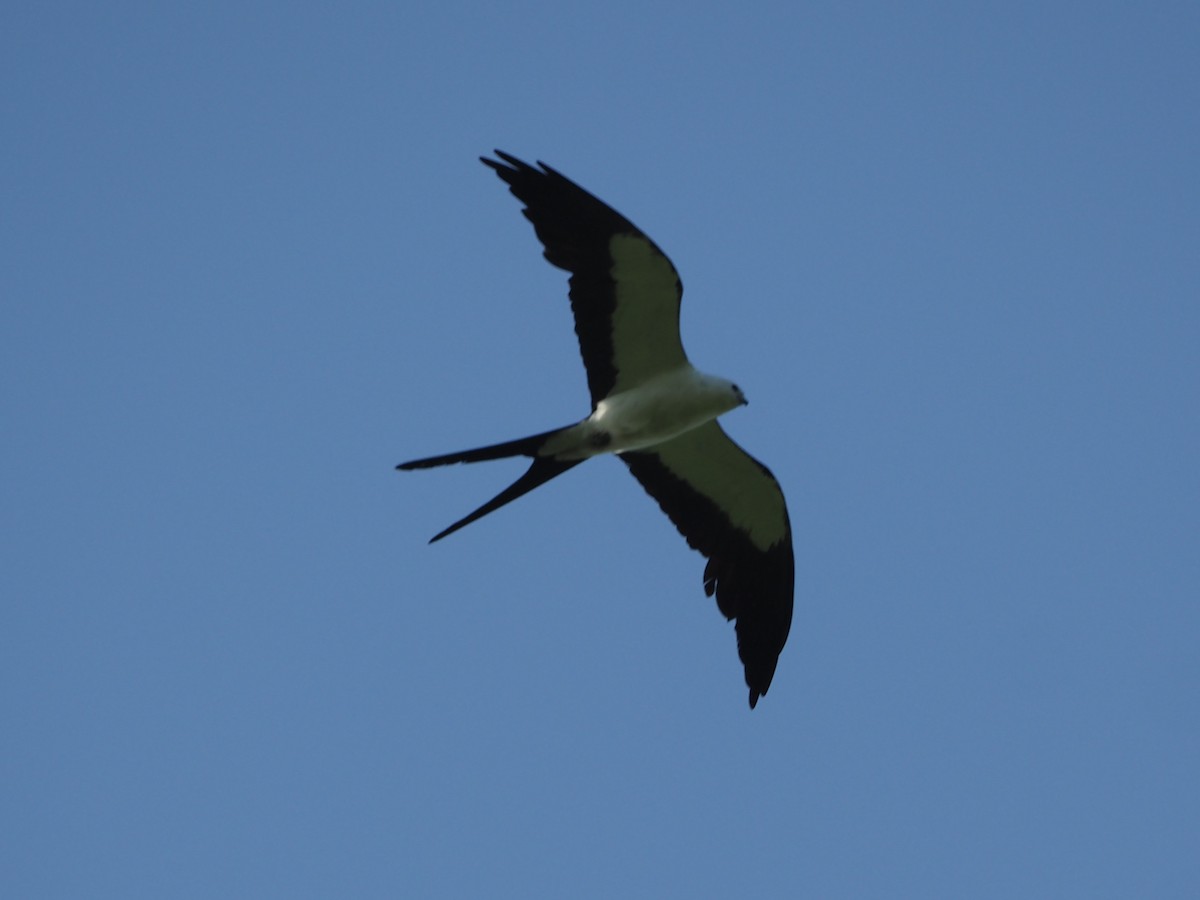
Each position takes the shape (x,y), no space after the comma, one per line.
(542,470)
(528,446)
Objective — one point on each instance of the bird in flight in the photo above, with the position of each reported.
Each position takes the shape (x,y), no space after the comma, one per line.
(655,411)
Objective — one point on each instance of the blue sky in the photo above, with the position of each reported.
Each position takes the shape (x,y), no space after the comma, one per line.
(251,263)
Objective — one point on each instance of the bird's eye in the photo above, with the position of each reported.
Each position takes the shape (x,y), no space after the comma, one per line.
(736,389)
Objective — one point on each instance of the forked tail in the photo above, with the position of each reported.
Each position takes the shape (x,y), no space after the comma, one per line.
(542,470)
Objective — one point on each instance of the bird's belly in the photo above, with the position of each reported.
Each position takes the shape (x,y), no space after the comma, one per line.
(639,419)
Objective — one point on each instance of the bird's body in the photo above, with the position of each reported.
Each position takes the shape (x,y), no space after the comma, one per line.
(655,411)
(659,409)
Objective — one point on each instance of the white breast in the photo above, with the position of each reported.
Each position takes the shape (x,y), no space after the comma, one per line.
(660,408)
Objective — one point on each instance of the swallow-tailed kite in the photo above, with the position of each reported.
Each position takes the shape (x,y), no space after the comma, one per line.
(654,411)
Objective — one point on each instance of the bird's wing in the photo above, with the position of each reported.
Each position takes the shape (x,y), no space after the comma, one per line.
(730,508)
(624,291)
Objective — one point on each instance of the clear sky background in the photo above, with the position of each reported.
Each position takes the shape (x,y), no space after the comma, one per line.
(951,251)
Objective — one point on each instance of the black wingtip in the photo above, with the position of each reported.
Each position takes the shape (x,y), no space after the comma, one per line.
(754,695)
(509,164)
(506,158)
